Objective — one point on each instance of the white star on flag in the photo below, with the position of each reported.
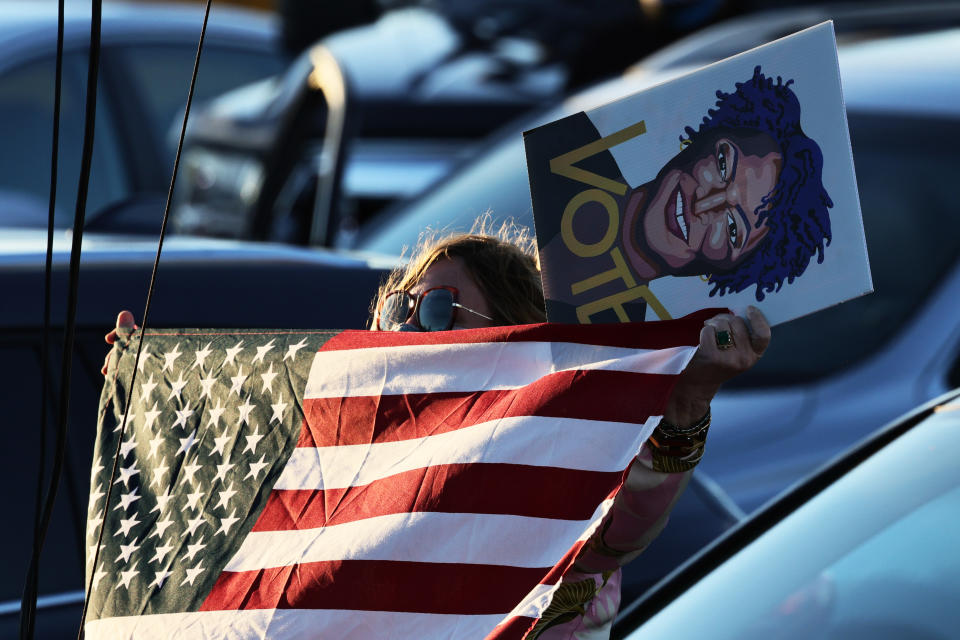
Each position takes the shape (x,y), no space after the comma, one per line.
(161,552)
(245,410)
(262,351)
(126,500)
(278,409)
(216,413)
(146,389)
(268,379)
(176,388)
(293,348)
(232,353)
(202,355)
(237,381)
(160,577)
(206,385)
(126,473)
(128,575)
(192,574)
(170,357)
(126,550)
(252,441)
(186,443)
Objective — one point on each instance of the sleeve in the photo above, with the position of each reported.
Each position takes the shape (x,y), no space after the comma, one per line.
(640,510)
(639,513)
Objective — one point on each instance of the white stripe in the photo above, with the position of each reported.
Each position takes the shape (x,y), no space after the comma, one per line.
(472,367)
(590,445)
(292,624)
(506,540)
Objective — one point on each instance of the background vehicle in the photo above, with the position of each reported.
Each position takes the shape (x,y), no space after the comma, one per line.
(830,378)
(404,100)
(866,548)
(146,60)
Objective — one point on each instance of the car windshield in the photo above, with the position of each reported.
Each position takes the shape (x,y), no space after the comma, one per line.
(898,173)
(872,556)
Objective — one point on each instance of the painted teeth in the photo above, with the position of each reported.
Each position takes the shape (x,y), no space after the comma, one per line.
(679,214)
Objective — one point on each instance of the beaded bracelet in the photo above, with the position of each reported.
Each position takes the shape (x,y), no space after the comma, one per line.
(676,449)
(669,429)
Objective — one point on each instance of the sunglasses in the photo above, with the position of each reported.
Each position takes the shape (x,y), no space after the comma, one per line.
(432,310)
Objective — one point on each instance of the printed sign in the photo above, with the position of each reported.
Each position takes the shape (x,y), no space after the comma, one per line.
(729,186)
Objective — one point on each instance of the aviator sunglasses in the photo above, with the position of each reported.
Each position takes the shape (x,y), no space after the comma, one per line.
(432,310)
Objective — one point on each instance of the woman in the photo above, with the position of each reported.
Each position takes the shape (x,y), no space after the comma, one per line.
(480,280)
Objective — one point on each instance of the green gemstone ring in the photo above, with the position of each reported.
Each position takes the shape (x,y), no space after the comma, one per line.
(725,340)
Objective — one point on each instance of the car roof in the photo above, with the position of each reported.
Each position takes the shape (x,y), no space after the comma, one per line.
(32,23)
(883,71)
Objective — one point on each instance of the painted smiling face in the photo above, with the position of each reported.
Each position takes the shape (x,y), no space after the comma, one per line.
(700,213)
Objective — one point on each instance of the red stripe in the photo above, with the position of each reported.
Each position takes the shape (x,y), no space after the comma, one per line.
(585,395)
(508,489)
(632,335)
(376,585)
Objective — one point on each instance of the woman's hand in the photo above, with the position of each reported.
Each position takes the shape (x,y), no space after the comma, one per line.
(125,321)
(712,365)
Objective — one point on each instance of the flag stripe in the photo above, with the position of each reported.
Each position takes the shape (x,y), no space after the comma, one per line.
(507,489)
(379,586)
(292,624)
(471,367)
(516,541)
(591,395)
(645,335)
(549,442)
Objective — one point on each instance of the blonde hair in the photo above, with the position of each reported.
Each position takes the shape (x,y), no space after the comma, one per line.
(501,261)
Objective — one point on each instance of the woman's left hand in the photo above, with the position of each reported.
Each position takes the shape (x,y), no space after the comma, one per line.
(712,365)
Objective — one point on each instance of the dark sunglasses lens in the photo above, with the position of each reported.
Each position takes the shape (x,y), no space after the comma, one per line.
(395,311)
(436,310)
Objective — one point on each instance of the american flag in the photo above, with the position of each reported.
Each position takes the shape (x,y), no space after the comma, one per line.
(296,484)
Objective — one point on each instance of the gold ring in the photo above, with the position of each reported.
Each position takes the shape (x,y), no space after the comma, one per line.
(725,340)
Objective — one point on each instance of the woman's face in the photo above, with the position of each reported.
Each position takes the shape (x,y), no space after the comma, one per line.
(452,273)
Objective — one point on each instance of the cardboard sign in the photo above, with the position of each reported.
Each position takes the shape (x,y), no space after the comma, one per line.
(729,186)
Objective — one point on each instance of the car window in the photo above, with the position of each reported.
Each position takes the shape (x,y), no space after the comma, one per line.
(904,200)
(872,556)
(162,75)
(26,128)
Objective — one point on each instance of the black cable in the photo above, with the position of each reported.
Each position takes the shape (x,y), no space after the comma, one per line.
(28,602)
(146,312)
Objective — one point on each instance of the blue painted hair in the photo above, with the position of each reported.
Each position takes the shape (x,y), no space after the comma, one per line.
(796,210)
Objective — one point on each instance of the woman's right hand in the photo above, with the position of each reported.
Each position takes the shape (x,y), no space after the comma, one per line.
(126,321)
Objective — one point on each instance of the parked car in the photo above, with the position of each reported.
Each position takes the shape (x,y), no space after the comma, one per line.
(372,114)
(865,548)
(200,282)
(146,61)
(830,378)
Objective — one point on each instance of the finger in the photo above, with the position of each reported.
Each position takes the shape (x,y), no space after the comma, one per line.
(106,363)
(111,337)
(125,320)
(720,325)
(741,334)
(759,328)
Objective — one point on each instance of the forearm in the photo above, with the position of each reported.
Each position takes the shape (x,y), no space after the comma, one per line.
(639,513)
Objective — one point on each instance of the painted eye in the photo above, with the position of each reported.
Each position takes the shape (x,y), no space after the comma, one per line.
(732,230)
(722,162)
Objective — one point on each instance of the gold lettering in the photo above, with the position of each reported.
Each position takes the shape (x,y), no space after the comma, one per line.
(620,270)
(563,164)
(566,223)
(616,302)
